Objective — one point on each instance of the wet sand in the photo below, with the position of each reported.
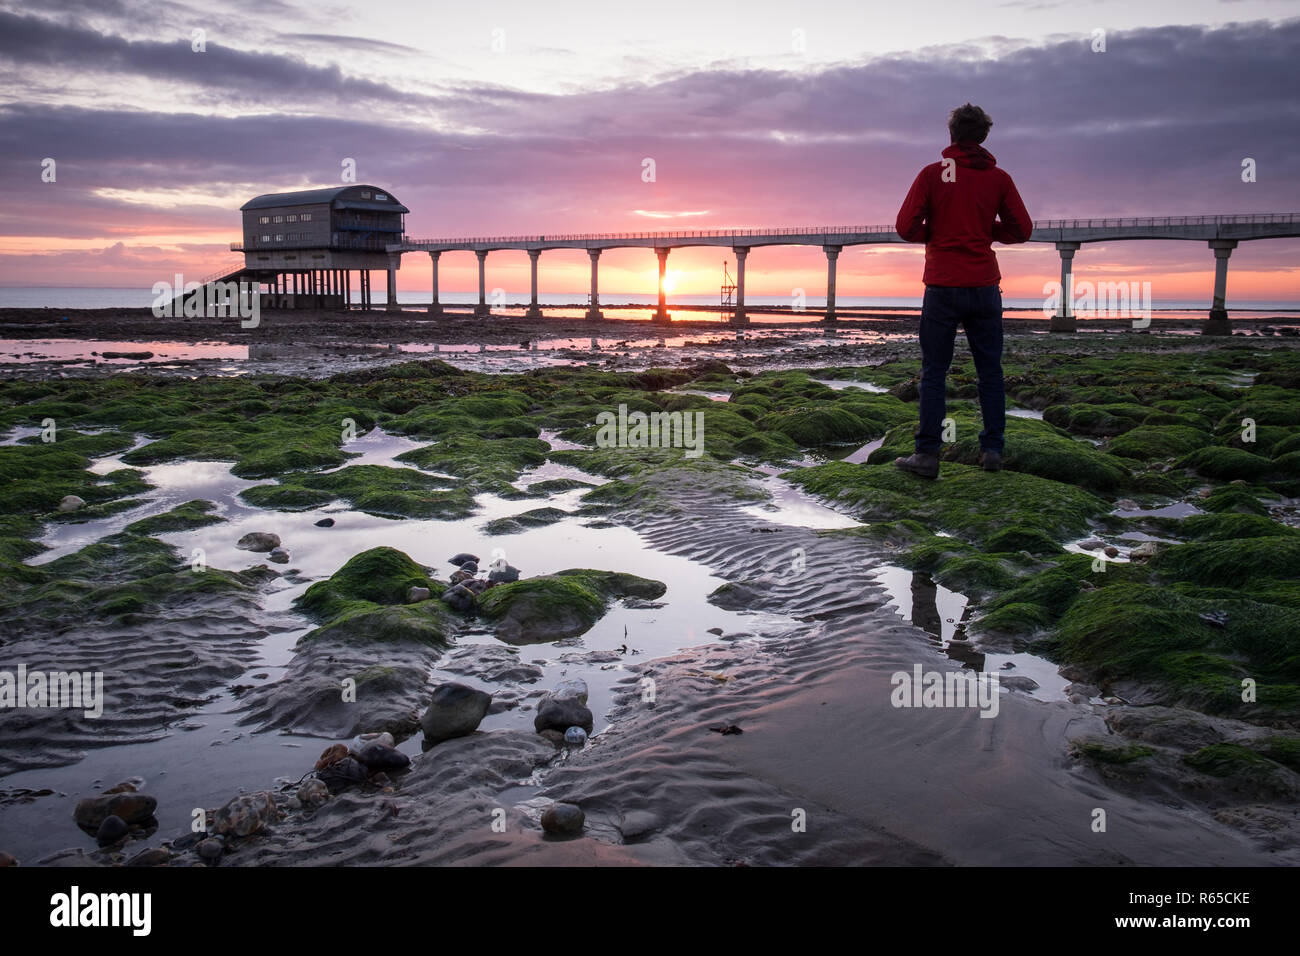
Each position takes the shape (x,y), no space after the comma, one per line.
(805,674)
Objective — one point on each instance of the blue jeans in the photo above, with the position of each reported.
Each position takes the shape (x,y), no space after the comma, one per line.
(978,311)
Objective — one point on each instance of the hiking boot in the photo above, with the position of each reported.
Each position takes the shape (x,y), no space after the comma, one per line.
(919,463)
(991,460)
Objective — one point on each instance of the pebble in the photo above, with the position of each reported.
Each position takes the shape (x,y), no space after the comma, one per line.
(575,688)
(71,503)
(210,849)
(258,541)
(278,555)
(454,710)
(313,793)
(331,754)
(325,523)
(1019,682)
(155,857)
(1147,549)
(111,830)
(245,814)
(129,807)
(1112,551)
(561,714)
(343,774)
(417,594)
(376,757)
(504,575)
(575,736)
(563,819)
(459,598)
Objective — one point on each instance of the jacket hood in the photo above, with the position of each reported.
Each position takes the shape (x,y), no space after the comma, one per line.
(970,154)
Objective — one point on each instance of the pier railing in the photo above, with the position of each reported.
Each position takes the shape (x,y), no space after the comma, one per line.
(815,232)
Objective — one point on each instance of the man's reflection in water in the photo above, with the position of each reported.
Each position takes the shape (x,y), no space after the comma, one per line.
(926,616)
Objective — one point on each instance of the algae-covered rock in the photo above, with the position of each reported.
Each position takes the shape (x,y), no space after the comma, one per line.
(378,576)
(560,605)
(192,514)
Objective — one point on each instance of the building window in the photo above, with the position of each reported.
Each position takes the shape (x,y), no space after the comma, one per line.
(279,238)
(264,220)
(382,197)
(290,218)
(266,238)
(279,219)
(306,217)
(365,194)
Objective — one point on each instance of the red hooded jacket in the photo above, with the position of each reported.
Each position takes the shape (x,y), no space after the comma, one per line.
(960,219)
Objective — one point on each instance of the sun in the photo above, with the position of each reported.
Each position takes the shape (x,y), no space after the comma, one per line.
(670,282)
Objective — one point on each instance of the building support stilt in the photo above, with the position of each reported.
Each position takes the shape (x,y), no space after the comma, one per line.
(593,310)
(482,309)
(1217,323)
(534,309)
(661,315)
(739,317)
(1064,320)
(435,307)
(832,254)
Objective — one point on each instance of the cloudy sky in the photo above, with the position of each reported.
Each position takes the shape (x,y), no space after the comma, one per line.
(493,118)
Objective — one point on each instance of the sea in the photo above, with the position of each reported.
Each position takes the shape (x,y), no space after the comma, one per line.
(702,307)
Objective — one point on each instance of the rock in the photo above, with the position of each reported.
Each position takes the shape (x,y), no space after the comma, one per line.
(575,736)
(376,757)
(1019,682)
(563,819)
(454,711)
(71,503)
(1112,551)
(344,773)
(325,523)
(1145,550)
(716,630)
(574,688)
(360,741)
(332,754)
(637,824)
(155,857)
(561,714)
(111,830)
(245,814)
(278,555)
(461,576)
(470,567)
(417,594)
(7,859)
(504,575)
(461,558)
(258,541)
(313,792)
(131,808)
(477,585)
(554,736)
(1091,544)
(211,849)
(459,598)
(186,840)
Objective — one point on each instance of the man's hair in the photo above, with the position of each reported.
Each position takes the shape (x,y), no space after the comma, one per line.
(969,124)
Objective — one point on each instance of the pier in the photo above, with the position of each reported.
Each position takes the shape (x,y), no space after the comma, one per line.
(362,229)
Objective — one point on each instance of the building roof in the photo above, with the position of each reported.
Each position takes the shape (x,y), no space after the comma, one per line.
(348,197)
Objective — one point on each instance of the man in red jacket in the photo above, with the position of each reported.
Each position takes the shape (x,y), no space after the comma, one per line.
(959,207)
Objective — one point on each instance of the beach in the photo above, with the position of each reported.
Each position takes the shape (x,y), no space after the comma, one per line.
(737,619)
